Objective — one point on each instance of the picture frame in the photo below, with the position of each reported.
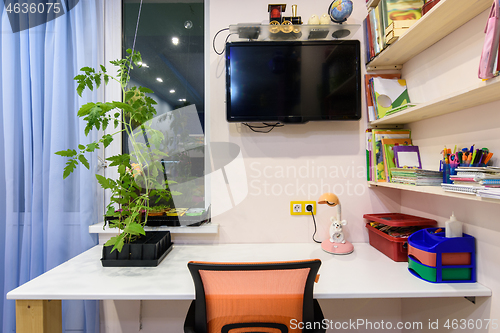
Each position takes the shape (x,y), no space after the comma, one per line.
(407,157)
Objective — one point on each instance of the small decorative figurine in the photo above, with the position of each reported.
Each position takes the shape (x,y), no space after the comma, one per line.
(325,19)
(314,20)
(336,244)
(275,11)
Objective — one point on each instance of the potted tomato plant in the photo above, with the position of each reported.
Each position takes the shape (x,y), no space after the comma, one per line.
(137,182)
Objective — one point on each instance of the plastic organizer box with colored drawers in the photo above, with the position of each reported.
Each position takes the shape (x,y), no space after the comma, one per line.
(388,232)
(433,257)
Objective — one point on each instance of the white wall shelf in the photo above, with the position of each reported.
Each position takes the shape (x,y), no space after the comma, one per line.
(244,32)
(209,228)
(440,21)
(481,92)
(436,190)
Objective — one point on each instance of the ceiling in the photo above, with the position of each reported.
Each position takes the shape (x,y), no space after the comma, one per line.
(179,66)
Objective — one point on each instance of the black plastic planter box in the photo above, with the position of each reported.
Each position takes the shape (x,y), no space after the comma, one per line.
(147,251)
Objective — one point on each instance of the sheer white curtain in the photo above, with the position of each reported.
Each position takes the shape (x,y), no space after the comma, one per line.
(44,219)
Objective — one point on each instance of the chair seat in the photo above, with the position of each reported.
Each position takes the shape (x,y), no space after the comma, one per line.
(262,297)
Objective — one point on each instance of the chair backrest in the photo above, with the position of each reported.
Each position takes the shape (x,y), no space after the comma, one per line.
(270,295)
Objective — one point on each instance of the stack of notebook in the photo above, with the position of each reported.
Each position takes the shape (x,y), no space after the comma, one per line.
(474,180)
(419,177)
(491,193)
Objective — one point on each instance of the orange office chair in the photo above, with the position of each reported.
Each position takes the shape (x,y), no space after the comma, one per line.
(273,297)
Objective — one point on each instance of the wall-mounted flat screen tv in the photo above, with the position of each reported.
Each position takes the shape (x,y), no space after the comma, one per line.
(293,82)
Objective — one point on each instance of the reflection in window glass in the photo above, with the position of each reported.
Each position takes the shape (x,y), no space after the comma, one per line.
(170,39)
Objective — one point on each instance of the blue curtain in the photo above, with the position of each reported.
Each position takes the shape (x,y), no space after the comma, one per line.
(44,219)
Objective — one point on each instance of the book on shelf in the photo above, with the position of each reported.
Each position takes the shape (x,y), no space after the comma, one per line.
(368,92)
(377,169)
(383,16)
(400,24)
(375,31)
(388,94)
(490,181)
(490,193)
(418,177)
(467,183)
(380,25)
(401,10)
(400,108)
(487,169)
(468,189)
(368,144)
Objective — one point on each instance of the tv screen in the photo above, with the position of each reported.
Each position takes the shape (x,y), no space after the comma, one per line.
(293,82)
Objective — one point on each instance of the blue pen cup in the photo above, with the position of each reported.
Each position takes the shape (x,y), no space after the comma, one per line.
(447,172)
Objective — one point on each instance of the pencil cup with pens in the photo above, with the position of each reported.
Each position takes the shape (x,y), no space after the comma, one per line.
(449,164)
(463,158)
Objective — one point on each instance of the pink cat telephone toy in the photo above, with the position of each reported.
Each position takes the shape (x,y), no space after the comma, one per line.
(336,244)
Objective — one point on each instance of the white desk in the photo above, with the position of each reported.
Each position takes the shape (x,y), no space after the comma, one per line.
(366,273)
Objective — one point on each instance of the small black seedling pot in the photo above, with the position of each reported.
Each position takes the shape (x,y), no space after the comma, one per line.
(147,251)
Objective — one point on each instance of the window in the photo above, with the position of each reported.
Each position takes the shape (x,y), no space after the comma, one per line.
(170,38)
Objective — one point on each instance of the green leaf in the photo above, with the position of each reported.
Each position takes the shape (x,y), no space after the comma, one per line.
(92,146)
(128,95)
(117,242)
(119,159)
(175,193)
(79,77)
(84,161)
(107,139)
(105,123)
(87,69)
(123,106)
(111,209)
(121,169)
(69,168)
(150,101)
(103,68)
(134,229)
(97,79)
(89,84)
(104,182)
(129,51)
(80,89)
(106,79)
(81,147)
(146,90)
(67,153)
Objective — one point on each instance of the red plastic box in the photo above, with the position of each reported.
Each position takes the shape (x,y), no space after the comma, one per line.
(394,248)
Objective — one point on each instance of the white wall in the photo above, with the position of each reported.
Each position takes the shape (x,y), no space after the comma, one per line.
(448,66)
(307,150)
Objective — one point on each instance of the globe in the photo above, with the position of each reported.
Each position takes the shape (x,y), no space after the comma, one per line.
(340,10)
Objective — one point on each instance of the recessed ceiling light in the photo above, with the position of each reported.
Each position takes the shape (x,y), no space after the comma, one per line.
(172,91)
(182,99)
(159,79)
(175,40)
